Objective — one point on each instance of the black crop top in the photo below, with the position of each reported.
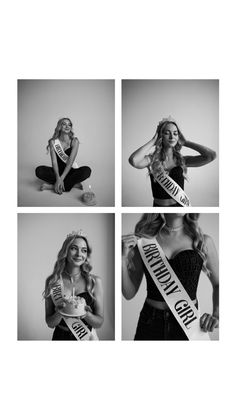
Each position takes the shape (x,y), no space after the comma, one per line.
(176,173)
(187,265)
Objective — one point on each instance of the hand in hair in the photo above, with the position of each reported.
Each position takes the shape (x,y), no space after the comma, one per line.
(182,138)
(209,322)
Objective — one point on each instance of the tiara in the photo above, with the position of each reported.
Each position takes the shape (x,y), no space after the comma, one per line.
(169,119)
(76,233)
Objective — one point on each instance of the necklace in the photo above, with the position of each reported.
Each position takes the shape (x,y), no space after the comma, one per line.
(73,277)
(173,229)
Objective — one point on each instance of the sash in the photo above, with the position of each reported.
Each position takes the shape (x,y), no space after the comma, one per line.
(171,288)
(173,189)
(63,156)
(75,324)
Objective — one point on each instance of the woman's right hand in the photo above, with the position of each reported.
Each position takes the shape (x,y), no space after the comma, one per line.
(59,186)
(129,241)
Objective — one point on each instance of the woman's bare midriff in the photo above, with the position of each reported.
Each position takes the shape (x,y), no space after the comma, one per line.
(164,202)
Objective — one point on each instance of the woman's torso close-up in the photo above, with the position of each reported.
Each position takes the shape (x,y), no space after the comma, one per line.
(176,173)
(187,265)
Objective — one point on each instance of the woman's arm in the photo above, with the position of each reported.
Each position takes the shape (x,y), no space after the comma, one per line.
(71,159)
(53,317)
(209,322)
(96,319)
(59,185)
(140,158)
(132,274)
(206,154)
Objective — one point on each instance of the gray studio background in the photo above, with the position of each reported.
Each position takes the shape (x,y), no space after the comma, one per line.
(40,237)
(131,309)
(90,106)
(194,104)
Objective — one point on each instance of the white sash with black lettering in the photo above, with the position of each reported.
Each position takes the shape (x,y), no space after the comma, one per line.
(171,288)
(75,324)
(173,189)
(63,156)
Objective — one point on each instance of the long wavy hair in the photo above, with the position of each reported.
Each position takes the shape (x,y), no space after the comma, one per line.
(57,131)
(60,265)
(152,224)
(159,155)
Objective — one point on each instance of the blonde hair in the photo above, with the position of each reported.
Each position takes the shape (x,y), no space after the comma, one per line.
(159,155)
(152,224)
(57,131)
(60,265)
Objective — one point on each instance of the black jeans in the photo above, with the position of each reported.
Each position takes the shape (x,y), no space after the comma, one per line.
(155,324)
(74,176)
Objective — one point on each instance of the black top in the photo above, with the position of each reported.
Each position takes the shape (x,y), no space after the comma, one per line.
(187,265)
(176,173)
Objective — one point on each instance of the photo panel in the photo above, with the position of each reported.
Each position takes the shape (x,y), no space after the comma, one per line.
(71,258)
(66,131)
(153,306)
(170,127)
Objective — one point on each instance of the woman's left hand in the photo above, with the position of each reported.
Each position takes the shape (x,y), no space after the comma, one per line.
(209,322)
(88,310)
(182,138)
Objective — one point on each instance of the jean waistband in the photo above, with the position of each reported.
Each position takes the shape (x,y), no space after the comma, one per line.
(157,312)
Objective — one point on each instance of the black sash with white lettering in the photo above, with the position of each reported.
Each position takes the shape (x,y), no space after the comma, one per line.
(75,324)
(171,288)
(172,188)
(63,156)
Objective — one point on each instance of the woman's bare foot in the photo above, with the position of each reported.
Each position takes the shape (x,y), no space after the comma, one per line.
(79,186)
(45,186)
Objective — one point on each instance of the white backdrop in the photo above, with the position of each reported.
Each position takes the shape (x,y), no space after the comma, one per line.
(40,237)
(90,104)
(194,104)
(131,309)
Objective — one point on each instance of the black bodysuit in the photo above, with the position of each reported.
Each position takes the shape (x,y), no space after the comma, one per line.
(187,264)
(74,176)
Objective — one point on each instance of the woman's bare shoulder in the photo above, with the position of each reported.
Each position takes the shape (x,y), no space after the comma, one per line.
(208,240)
(51,141)
(75,140)
(96,278)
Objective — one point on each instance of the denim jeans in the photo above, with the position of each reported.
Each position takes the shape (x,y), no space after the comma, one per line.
(155,324)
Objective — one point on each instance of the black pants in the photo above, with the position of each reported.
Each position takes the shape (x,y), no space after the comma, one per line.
(155,324)
(74,176)
(60,334)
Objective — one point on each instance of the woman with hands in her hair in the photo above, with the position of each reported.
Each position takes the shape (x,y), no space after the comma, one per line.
(72,277)
(64,173)
(188,251)
(162,154)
